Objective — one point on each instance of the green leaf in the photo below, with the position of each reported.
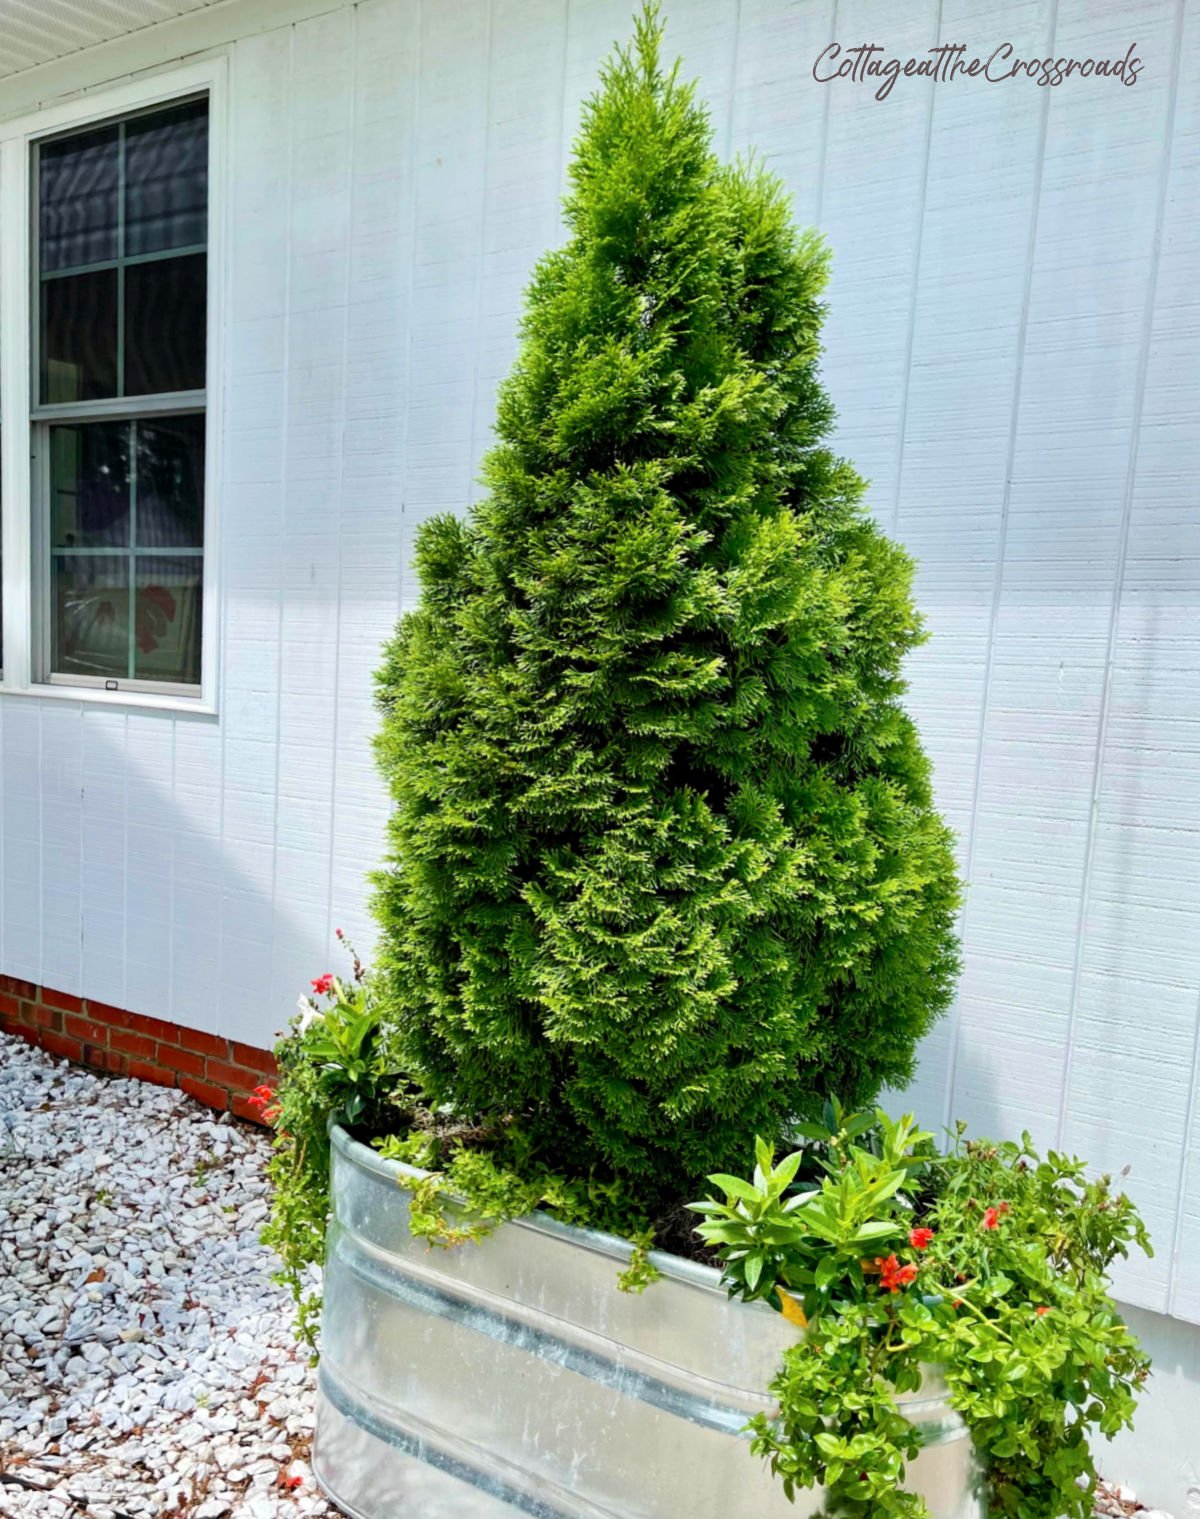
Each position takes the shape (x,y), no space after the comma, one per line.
(878,1229)
(734,1186)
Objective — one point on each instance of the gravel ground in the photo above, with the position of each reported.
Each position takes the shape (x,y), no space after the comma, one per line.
(147,1362)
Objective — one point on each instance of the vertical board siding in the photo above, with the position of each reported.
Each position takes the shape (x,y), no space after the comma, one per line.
(1013,346)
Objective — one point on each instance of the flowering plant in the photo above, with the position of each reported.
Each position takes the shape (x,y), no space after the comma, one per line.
(988,1261)
(263,1098)
(329,1062)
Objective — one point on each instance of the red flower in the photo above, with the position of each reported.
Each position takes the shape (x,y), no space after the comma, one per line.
(1042,1311)
(323,985)
(920,1239)
(339,933)
(991,1219)
(260,1097)
(893,1276)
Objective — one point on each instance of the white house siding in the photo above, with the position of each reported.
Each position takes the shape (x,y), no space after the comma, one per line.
(1013,344)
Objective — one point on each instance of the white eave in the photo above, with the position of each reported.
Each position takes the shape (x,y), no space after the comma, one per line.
(36,32)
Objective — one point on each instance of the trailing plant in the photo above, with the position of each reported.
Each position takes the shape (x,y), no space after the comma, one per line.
(329,1063)
(464,1193)
(989,1262)
(663,862)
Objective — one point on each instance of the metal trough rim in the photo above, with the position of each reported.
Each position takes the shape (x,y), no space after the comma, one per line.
(691,1273)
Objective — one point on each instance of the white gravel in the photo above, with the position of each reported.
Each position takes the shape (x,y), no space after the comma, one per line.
(148,1364)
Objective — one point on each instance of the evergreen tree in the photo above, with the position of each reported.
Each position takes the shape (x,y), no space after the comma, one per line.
(664,867)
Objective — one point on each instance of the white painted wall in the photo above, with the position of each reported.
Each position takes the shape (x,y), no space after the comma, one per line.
(1013,344)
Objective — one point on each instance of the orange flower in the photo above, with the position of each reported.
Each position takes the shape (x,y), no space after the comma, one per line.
(893,1276)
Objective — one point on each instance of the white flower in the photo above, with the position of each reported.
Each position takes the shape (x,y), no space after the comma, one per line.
(309,1014)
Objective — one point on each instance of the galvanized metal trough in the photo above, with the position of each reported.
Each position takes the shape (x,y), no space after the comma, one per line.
(513,1377)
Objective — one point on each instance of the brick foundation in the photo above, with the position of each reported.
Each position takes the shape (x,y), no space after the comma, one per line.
(218,1072)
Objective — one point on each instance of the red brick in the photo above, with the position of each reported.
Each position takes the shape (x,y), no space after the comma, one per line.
(10,1007)
(115,1017)
(180,1060)
(262,1061)
(132,1044)
(153,1028)
(145,1071)
(236,1077)
(19,988)
(58,1044)
(44,1017)
(243,1107)
(86,1029)
(205,1092)
(100,1058)
(65,1000)
(204,1044)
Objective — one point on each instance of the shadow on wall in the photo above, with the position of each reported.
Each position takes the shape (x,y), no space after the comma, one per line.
(162,883)
(1160,1458)
(1067,761)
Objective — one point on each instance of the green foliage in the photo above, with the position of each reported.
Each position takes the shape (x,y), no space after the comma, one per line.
(329,1063)
(664,865)
(464,1200)
(812,1241)
(1032,1383)
(995,1271)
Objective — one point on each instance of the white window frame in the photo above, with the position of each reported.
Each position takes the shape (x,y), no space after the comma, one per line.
(25,500)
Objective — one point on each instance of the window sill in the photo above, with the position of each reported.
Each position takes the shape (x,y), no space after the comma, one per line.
(192,706)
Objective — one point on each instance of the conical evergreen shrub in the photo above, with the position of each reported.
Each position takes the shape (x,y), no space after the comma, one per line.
(664,868)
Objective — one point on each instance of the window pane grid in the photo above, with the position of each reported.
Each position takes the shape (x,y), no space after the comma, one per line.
(127,608)
(123,553)
(120,397)
(156,257)
(121,282)
(123,301)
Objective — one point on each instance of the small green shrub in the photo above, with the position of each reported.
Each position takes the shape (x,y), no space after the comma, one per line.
(989,1262)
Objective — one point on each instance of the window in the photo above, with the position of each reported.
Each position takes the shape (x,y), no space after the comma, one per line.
(118,409)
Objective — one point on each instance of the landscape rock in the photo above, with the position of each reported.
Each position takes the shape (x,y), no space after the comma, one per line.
(148,1363)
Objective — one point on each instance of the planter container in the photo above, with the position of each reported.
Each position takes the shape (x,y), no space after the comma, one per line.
(513,1377)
